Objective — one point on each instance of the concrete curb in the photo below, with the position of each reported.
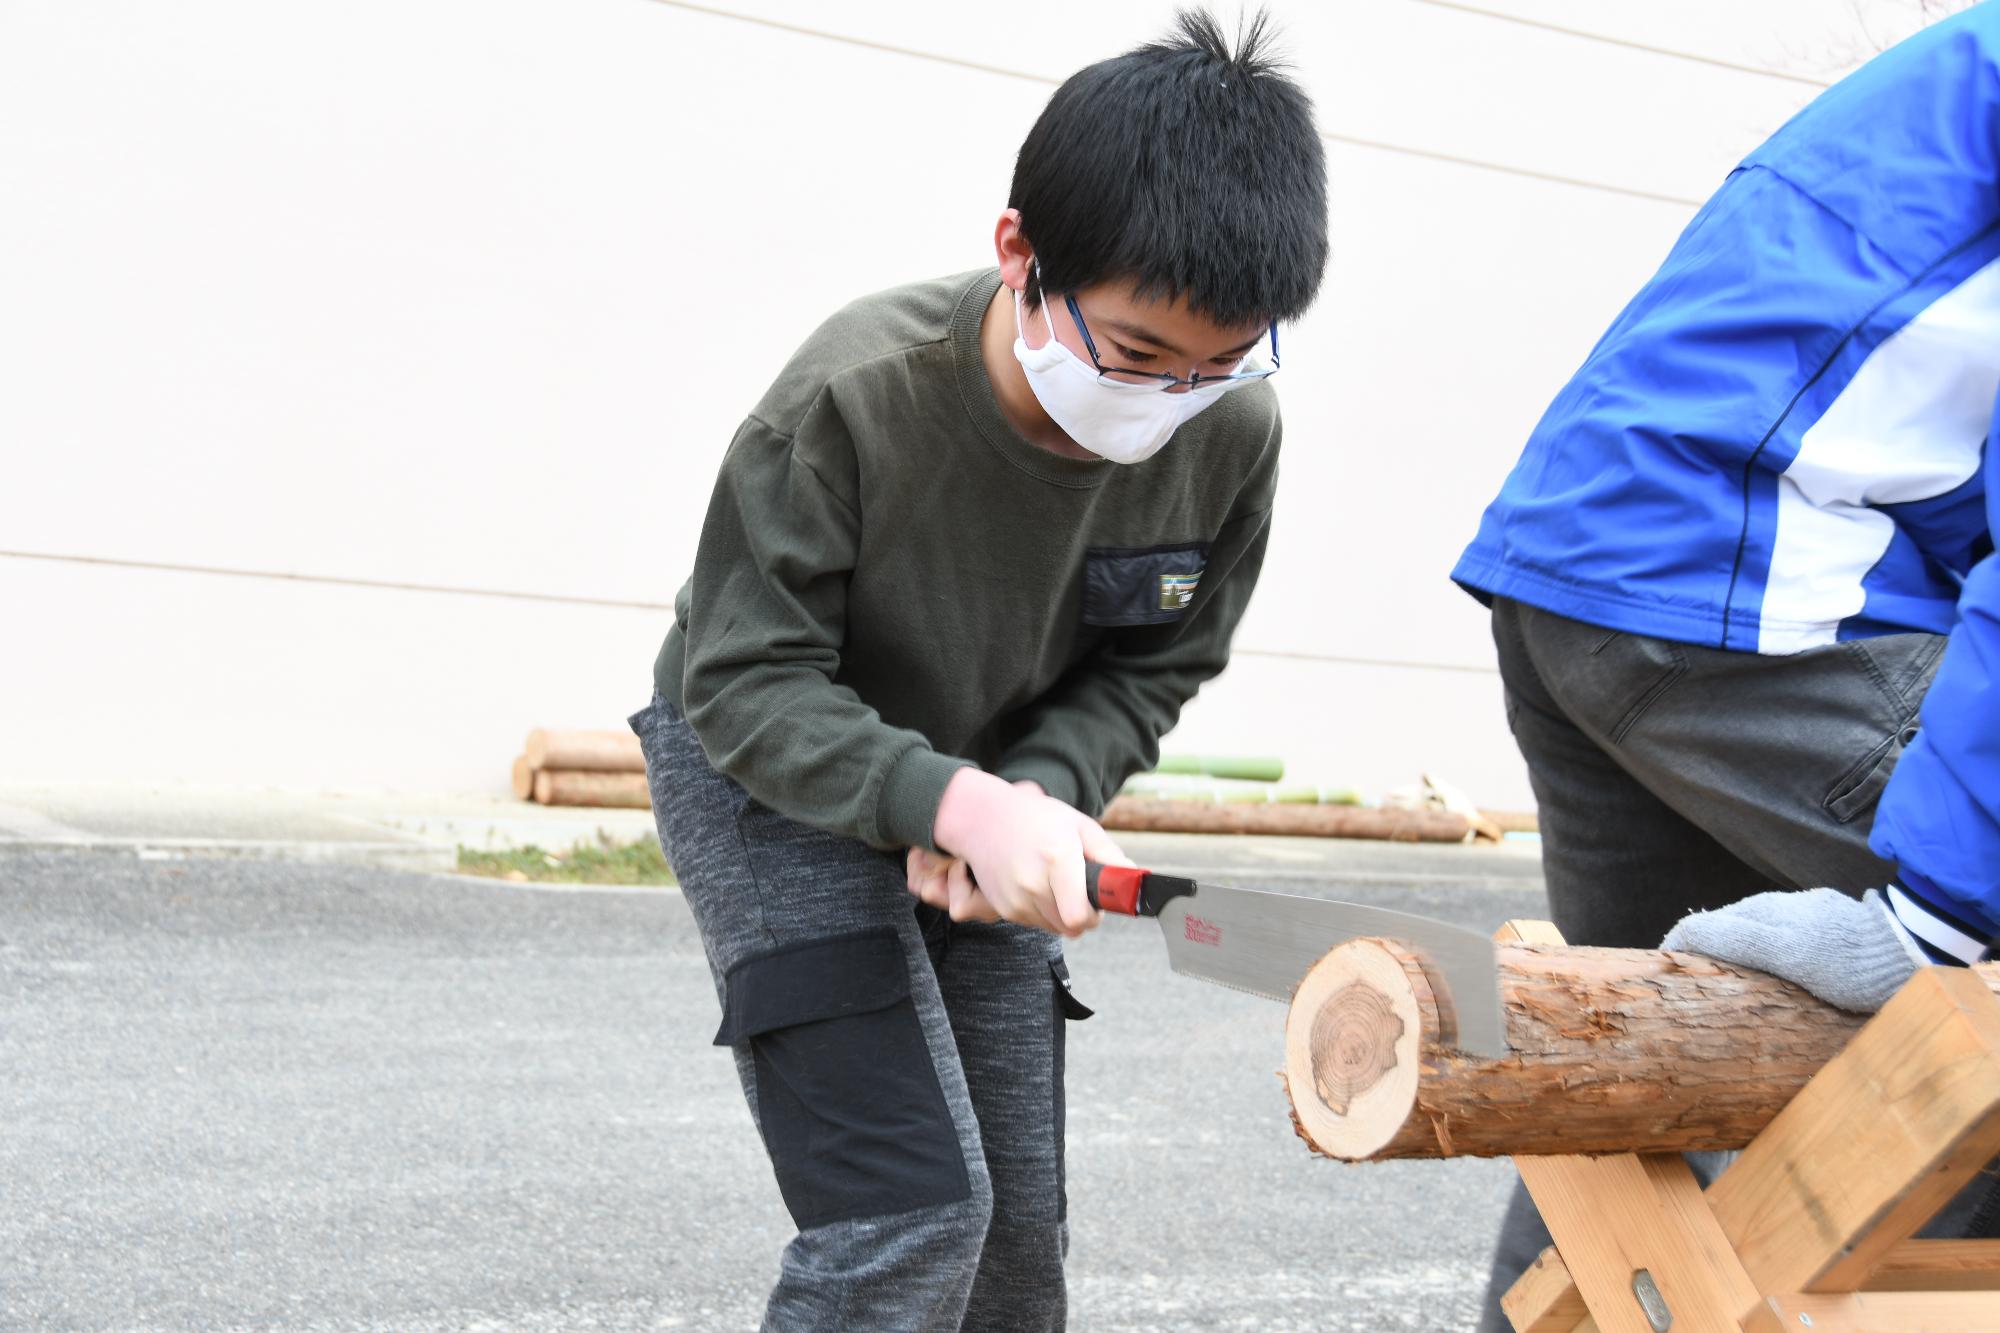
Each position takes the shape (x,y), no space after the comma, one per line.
(410,856)
(414,833)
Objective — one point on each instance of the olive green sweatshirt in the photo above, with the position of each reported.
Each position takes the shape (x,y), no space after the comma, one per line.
(892,583)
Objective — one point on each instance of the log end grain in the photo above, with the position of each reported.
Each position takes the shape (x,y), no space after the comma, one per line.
(1354,1035)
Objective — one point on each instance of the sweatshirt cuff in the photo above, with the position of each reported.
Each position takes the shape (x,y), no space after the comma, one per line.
(908,805)
(1943,932)
(1056,778)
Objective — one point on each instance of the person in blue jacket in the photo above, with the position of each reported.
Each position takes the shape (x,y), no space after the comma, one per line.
(1742,579)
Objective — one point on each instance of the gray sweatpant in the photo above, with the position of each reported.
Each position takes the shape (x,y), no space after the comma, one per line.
(905,1072)
(1672,778)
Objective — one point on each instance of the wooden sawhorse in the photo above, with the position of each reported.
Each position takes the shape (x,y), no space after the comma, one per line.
(1810,1229)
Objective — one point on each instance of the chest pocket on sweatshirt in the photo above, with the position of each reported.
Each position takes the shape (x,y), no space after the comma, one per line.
(1143,586)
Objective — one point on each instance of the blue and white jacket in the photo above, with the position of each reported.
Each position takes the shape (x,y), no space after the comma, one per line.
(1783,441)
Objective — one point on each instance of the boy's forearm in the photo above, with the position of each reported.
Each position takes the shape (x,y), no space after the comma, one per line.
(1106,726)
(764,624)
(1104,722)
(813,751)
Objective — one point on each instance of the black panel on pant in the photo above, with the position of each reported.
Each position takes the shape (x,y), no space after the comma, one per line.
(849,1103)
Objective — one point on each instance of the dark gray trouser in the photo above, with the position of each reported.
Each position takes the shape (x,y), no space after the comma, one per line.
(905,1073)
(1672,778)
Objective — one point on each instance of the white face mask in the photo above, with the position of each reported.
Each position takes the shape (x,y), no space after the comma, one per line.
(1123,423)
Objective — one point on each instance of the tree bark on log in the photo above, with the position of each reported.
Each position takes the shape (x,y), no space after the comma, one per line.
(1514,821)
(589,751)
(1613,1050)
(1142,814)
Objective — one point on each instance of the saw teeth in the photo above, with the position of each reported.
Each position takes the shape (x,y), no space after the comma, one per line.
(1230,985)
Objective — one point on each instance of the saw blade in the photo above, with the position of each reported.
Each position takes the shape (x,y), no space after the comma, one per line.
(1265,943)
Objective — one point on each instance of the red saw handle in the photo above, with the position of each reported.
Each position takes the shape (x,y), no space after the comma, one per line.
(1115,888)
(1130,890)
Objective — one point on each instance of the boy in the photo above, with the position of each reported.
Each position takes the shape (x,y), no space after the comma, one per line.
(946,600)
(1742,579)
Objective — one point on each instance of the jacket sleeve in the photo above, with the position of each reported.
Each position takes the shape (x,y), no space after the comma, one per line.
(1939,817)
(1103,720)
(766,617)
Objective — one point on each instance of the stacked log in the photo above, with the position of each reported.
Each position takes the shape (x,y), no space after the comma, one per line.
(1145,814)
(599,768)
(606,768)
(1513,821)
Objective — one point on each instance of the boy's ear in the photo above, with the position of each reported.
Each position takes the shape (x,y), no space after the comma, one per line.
(1011,247)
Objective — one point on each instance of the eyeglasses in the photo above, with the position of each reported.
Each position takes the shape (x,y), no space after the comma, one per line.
(1160,379)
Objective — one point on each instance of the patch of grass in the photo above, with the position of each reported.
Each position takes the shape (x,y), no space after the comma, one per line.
(638,863)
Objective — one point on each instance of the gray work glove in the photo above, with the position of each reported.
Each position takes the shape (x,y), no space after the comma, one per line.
(1852,954)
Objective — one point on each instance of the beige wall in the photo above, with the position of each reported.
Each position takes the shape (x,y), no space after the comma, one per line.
(470,294)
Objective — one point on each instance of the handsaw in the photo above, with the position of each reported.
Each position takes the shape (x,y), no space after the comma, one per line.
(1265,943)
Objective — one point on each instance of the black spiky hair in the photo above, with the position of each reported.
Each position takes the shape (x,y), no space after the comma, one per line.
(1188,168)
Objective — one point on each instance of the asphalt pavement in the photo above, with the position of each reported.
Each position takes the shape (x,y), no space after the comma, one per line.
(253,1093)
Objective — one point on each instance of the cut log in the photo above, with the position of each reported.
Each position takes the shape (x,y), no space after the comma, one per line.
(563,787)
(524,779)
(1142,814)
(588,751)
(1613,1050)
